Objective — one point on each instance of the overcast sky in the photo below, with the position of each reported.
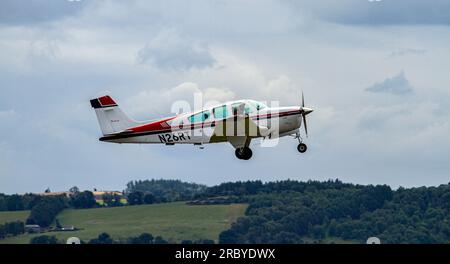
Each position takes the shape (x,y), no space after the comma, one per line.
(376,73)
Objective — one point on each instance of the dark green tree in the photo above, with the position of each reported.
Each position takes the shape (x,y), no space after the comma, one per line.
(149,198)
(14,203)
(144,238)
(135,198)
(44,239)
(103,238)
(84,199)
(46,210)
(160,240)
(74,190)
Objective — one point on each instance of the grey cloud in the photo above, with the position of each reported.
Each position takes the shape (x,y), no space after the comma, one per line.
(395,85)
(376,118)
(168,51)
(47,91)
(383,12)
(22,12)
(403,52)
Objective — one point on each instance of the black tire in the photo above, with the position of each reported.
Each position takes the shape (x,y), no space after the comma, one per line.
(238,154)
(247,153)
(302,148)
(243,153)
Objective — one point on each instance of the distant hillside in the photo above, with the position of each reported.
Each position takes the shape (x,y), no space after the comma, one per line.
(299,212)
(278,212)
(173,221)
(13,216)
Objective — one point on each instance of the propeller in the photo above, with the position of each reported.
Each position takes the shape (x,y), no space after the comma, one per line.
(305,112)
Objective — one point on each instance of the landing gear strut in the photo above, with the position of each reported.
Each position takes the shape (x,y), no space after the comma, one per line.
(301,146)
(244,153)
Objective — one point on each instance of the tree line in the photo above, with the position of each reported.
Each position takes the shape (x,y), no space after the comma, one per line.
(314,212)
(104,238)
(12,229)
(136,192)
(284,211)
(161,191)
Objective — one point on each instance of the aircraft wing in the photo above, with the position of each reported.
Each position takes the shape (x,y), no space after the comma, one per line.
(238,129)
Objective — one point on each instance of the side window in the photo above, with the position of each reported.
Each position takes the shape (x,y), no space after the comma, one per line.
(257,105)
(220,112)
(260,106)
(200,117)
(247,109)
(206,115)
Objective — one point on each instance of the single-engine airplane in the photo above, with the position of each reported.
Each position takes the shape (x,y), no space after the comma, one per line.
(236,122)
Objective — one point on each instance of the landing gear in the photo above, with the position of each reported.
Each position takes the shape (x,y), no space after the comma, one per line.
(244,153)
(301,146)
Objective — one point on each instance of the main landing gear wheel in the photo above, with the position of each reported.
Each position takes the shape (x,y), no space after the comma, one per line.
(244,153)
(302,148)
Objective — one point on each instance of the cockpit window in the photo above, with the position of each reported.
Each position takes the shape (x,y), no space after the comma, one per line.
(235,106)
(223,111)
(247,108)
(250,106)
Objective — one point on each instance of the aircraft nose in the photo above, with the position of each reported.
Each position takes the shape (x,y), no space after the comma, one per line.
(307,110)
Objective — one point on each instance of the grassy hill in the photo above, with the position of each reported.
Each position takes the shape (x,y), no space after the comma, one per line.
(173,221)
(13,216)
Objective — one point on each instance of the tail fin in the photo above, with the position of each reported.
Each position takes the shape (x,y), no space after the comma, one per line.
(110,117)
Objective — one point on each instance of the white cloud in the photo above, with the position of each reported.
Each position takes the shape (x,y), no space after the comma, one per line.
(218,94)
(7,114)
(407,51)
(169,51)
(247,79)
(157,103)
(232,78)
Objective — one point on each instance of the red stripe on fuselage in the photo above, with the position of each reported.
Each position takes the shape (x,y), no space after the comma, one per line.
(157,125)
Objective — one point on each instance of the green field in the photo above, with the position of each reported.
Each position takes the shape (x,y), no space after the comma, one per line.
(13,216)
(173,221)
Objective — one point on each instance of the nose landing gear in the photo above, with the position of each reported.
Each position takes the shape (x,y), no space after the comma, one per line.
(244,153)
(301,146)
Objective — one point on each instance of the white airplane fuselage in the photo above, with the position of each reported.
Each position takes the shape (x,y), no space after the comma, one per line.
(281,121)
(236,122)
